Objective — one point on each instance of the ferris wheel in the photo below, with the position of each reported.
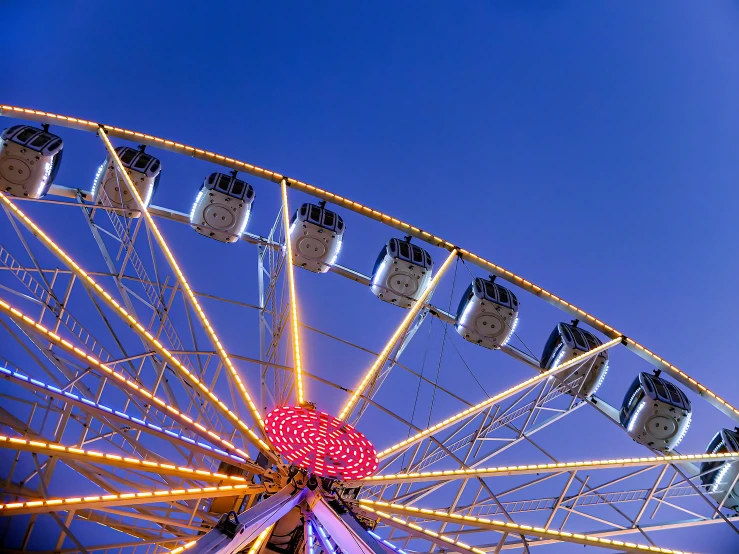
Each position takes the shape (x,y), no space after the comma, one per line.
(143,411)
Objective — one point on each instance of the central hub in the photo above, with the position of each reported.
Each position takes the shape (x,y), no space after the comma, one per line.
(320,443)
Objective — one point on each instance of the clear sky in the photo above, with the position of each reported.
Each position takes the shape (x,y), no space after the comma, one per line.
(589,146)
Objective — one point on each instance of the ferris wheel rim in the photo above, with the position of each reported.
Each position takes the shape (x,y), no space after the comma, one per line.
(277,177)
(441,243)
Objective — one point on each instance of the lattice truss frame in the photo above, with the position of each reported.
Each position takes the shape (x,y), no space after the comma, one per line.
(150,408)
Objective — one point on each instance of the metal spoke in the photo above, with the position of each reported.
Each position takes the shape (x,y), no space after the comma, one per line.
(399,332)
(183,282)
(497,398)
(122,380)
(508,527)
(294,321)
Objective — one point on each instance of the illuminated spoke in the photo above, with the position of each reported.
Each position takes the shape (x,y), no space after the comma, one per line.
(402,328)
(183,282)
(124,499)
(127,383)
(259,540)
(101,411)
(477,408)
(294,322)
(416,530)
(509,527)
(448,475)
(134,323)
(94,457)
(182,548)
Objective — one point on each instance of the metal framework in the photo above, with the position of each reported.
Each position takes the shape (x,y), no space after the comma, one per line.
(131,416)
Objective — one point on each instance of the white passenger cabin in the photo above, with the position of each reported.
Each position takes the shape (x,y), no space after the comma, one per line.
(655,413)
(487,314)
(720,475)
(222,207)
(29,160)
(110,189)
(566,343)
(401,273)
(316,234)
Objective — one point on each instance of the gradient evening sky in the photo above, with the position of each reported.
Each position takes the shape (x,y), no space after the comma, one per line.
(588,146)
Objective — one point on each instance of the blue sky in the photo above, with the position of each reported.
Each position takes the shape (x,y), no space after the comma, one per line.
(589,146)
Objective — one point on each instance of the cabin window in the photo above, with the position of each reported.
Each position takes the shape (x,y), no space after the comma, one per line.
(466,297)
(154,166)
(676,395)
(237,189)
(54,145)
(212,179)
(490,291)
(428,260)
(553,343)
(142,162)
(315,214)
(593,342)
(661,391)
(673,393)
(404,250)
(40,141)
(635,399)
(128,155)
(380,259)
(567,334)
(514,300)
(304,209)
(10,130)
(633,395)
(339,223)
(417,255)
(717,445)
(503,295)
(580,341)
(478,286)
(249,190)
(26,134)
(328,219)
(224,183)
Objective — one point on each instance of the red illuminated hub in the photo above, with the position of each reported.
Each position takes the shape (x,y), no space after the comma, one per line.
(321,443)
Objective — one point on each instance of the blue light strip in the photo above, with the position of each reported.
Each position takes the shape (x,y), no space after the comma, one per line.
(311,537)
(389,545)
(50,390)
(325,540)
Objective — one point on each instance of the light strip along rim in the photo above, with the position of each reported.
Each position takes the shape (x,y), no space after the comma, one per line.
(186,287)
(276,177)
(521,529)
(122,380)
(130,320)
(385,353)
